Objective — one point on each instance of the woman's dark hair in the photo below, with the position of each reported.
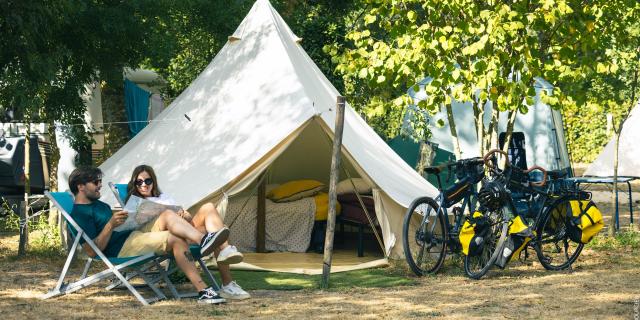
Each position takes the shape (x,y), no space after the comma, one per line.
(131,186)
(83,175)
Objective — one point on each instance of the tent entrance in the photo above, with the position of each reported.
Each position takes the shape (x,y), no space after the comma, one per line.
(291,226)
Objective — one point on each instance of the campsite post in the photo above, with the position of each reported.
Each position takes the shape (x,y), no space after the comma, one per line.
(333,180)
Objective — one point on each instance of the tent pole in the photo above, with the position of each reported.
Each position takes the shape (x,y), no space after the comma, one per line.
(261,216)
(333,181)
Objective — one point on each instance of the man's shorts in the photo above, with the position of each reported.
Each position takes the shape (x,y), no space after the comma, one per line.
(145,240)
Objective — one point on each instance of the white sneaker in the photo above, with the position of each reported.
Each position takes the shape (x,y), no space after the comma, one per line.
(229,255)
(233,291)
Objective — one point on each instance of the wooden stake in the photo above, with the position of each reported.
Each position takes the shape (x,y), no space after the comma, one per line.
(333,180)
(261,218)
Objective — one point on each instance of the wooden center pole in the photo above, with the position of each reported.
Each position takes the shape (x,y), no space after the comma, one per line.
(333,180)
(261,224)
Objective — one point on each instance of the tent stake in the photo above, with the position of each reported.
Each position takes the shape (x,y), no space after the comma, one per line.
(333,180)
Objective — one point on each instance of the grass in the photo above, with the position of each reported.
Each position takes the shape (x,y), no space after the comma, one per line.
(630,239)
(368,278)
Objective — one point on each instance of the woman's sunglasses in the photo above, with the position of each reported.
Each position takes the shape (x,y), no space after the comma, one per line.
(147,181)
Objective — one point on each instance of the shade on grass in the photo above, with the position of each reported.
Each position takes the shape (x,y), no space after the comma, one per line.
(261,280)
(368,278)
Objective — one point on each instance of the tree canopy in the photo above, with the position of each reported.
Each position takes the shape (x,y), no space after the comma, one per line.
(475,51)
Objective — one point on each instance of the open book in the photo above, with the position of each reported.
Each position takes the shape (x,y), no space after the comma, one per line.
(142,211)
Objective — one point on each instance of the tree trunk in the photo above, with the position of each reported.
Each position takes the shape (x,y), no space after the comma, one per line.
(478,110)
(493,129)
(24,207)
(454,133)
(53,171)
(614,193)
(427,153)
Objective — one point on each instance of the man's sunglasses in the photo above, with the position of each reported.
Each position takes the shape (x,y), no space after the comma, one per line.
(96,182)
(147,181)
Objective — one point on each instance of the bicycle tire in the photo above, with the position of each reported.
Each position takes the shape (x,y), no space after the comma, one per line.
(475,267)
(419,232)
(553,247)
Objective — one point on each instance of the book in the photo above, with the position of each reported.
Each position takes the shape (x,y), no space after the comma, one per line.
(141,211)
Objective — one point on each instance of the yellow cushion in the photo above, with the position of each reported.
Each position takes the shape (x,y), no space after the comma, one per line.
(322,206)
(295,190)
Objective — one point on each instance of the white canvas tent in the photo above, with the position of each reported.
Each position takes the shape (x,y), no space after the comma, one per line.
(542,126)
(260,95)
(628,152)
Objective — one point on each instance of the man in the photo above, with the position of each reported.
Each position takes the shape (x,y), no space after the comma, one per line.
(168,233)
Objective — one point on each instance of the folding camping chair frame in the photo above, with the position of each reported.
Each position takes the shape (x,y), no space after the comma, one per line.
(120,191)
(140,265)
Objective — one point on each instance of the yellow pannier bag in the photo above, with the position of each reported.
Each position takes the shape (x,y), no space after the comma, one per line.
(519,235)
(473,234)
(584,220)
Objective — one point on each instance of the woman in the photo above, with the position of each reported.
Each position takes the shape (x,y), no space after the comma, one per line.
(144,184)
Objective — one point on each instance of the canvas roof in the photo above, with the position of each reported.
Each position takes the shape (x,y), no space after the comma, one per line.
(259,92)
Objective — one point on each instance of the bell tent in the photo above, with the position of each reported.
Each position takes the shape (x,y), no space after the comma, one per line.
(628,152)
(263,107)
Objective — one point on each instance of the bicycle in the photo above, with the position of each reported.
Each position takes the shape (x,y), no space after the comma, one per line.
(427,233)
(543,208)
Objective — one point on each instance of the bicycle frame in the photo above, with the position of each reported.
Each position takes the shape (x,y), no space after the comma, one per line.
(458,215)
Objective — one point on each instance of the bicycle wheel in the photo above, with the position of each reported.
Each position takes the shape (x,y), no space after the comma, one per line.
(424,236)
(477,266)
(554,248)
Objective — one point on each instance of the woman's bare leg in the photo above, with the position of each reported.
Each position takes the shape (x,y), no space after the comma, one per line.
(180,249)
(179,227)
(207,219)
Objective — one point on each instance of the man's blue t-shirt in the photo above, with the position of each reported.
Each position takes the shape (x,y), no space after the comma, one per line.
(92,218)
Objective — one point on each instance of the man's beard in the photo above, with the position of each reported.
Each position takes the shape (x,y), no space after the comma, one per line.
(93,196)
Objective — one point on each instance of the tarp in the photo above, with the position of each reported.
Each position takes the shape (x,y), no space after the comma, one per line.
(628,151)
(254,99)
(136,101)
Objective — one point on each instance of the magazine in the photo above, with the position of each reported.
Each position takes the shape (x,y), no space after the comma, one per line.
(142,211)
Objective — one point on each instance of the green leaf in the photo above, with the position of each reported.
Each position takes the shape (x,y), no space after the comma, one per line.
(411,15)
(455,74)
(369,19)
(363,73)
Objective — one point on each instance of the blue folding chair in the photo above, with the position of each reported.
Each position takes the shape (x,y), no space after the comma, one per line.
(120,192)
(142,266)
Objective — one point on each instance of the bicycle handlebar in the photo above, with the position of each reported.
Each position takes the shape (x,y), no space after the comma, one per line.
(487,162)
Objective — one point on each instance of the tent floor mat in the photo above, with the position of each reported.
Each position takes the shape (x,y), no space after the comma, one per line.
(305,263)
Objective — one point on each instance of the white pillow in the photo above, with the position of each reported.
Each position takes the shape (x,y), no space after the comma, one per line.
(346,186)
